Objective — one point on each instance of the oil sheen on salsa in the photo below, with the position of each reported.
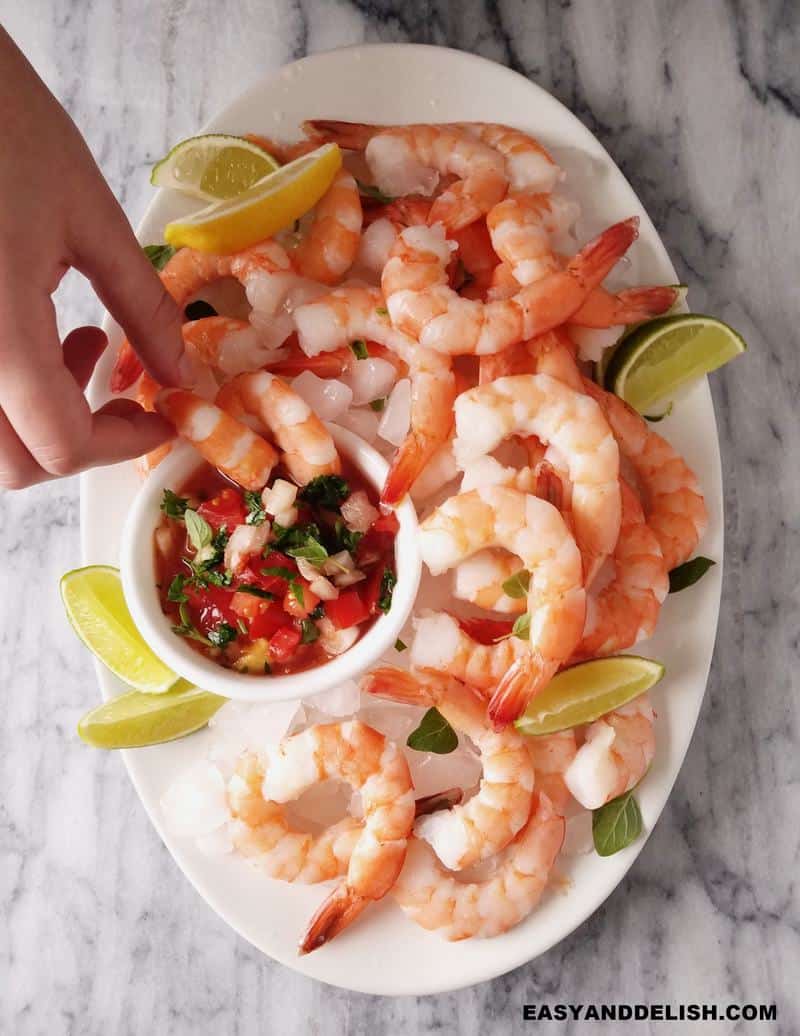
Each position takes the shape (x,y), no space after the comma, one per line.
(263,616)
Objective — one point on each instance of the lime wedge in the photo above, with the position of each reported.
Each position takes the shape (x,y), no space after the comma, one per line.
(270,205)
(96,608)
(601,366)
(213,167)
(658,357)
(585,692)
(134,720)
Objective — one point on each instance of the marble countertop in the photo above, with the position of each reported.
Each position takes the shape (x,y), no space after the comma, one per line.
(700,105)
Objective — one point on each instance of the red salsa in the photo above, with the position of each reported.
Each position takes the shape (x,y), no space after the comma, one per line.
(274,582)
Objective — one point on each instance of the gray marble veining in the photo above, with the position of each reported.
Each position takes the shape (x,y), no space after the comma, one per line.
(700,105)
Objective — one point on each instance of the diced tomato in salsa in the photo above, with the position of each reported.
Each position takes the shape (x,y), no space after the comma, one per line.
(284,643)
(268,621)
(347,610)
(211,606)
(294,607)
(226,508)
(371,593)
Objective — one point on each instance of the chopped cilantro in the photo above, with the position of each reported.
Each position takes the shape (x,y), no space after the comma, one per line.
(318,612)
(172,505)
(369,190)
(187,628)
(326,491)
(359,347)
(279,572)
(399,645)
(346,539)
(382,311)
(310,631)
(256,591)
(176,587)
(388,583)
(378,404)
(222,634)
(256,514)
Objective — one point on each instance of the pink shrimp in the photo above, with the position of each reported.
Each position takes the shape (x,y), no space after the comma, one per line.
(423,305)
(328,248)
(521,226)
(229,445)
(552,756)
(673,505)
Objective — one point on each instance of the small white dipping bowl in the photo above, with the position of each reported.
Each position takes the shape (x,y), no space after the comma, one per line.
(141,594)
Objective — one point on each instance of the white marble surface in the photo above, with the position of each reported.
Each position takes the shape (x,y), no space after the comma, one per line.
(700,105)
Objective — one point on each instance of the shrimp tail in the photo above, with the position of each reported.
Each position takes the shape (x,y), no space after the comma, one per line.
(324,365)
(338,911)
(396,685)
(353,136)
(127,368)
(641,303)
(512,694)
(406,467)
(593,263)
(549,485)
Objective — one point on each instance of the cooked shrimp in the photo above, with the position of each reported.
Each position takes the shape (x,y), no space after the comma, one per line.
(626,609)
(480,579)
(438,901)
(486,823)
(442,645)
(363,758)
(521,227)
(307,447)
(423,305)
(346,315)
(552,755)
(535,531)
(412,159)
(294,361)
(673,505)
(540,405)
(229,445)
(327,250)
(262,833)
(228,344)
(147,389)
(615,754)
(529,166)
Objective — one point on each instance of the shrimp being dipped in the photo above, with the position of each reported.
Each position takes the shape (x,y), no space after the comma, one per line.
(228,344)
(556,602)
(363,758)
(615,755)
(673,505)
(437,900)
(307,447)
(244,456)
(422,304)
(486,823)
(540,405)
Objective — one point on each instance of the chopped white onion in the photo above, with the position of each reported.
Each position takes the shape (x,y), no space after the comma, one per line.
(396,417)
(348,578)
(361,421)
(278,497)
(335,641)
(323,588)
(358,512)
(245,540)
(287,517)
(327,397)
(336,563)
(370,379)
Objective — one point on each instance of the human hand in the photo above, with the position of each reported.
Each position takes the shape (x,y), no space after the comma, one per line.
(58,212)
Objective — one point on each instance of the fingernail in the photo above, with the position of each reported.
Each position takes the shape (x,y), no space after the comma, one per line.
(186,371)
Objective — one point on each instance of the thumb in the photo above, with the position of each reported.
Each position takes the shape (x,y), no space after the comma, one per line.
(107,252)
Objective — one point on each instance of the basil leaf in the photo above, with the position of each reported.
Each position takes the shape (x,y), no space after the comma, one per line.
(285,537)
(312,551)
(616,825)
(175,591)
(654,418)
(328,491)
(255,591)
(434,734)
(346,539)
(522,627)
(159,255)
(516,586)
(399,645)
(388,583)
(187,627)
(297,592)
(197,529)
(378,404)
(279,571)
(199,310)
(172,505)
(310,631)
(222,634)
(369,190)
(204,577)
(359,347)
(256,514)
(688,573)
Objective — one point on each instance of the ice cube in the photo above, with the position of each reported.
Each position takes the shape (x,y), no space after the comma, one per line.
(195,803)
(397,414)
(327,397)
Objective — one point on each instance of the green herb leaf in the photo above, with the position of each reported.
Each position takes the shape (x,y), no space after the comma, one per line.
(522,627)
(369,190)
(434,734)
(175,591)
(688,573)
(222,634)
(346,539)
(187,628)
(279,571)
(198,530)
(516,586)
(616,825)
(382,311)
(255,591)
(388,583)
(378,404)
(256,514)
(310,631)
(312,550)
(359,347)
(297,592)
(319,612)
(172,505)
(199,310)
(204,577)
(328,491)
(286,536)
(159,255)
(242,627)
(654,418)
(399,645)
